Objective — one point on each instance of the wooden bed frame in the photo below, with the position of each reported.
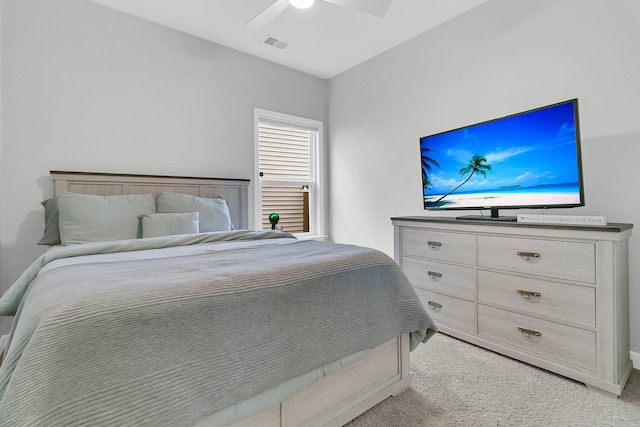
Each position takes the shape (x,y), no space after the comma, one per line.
(333,400)
(234,191)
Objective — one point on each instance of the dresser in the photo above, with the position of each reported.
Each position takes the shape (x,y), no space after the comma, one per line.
(554,296)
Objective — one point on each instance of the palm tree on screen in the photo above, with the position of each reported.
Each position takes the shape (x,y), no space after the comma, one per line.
(427,163)
(478,164)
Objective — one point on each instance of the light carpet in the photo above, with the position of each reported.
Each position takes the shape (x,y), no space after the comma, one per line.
(459,384)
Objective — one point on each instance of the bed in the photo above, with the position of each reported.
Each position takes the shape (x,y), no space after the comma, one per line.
(182,324)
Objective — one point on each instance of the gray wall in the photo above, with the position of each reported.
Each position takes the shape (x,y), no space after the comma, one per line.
(91,89)
(503,57)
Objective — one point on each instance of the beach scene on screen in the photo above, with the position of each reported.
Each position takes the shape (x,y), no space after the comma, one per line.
(530,159)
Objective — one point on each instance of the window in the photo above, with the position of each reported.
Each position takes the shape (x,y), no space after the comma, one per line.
(288,178)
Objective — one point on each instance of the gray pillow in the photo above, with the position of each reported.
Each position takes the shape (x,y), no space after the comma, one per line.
(214,213)
(51,236)
(167,224)
(87,218)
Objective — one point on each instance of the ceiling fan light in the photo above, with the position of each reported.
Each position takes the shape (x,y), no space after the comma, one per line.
(301,4)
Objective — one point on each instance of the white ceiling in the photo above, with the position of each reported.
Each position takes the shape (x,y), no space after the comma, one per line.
(325,40)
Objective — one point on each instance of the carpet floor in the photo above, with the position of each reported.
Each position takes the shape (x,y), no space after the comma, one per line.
(459,384)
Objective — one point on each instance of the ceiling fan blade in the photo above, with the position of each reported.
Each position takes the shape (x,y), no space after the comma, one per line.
(373,7)
(269,14)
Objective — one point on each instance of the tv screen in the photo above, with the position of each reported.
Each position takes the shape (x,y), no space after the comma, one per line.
(525,160)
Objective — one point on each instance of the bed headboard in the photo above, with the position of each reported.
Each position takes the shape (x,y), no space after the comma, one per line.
(234,191)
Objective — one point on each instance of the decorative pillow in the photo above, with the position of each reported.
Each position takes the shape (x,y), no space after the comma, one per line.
(51,236)
(167,224)
(214,213)
(87,218)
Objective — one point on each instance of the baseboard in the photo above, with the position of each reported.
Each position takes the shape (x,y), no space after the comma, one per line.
(635,359)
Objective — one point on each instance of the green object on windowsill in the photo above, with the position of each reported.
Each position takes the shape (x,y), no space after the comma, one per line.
(273,219)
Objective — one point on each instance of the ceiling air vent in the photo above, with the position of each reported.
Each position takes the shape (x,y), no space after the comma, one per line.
(272,41)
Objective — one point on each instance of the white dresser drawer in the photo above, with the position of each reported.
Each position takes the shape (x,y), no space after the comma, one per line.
(552,258)
(562,301)
(449,278)
(448,310)
(453,247)
(570,345)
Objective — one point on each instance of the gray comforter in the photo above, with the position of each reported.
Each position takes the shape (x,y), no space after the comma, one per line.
(165,331)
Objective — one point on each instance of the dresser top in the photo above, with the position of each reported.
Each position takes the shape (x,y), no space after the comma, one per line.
(612,227)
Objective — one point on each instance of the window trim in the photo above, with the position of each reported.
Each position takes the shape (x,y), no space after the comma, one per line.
(317,201)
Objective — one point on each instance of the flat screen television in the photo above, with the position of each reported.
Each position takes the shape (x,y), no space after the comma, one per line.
(525,160)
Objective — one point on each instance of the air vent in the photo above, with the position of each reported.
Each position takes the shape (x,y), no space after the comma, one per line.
(275,42)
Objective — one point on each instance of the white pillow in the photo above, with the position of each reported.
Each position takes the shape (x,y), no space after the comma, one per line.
(167,224)
(87,218)
(214,213)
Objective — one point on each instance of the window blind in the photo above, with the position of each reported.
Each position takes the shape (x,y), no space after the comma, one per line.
(285,167)
(284,152)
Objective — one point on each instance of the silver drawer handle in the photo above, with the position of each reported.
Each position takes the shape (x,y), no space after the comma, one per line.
(434,245)
(434,305)
(529,294)
(529,333)
(528,256)
(434,274)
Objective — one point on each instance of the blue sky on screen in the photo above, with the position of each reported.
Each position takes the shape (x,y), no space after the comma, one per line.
(529,149)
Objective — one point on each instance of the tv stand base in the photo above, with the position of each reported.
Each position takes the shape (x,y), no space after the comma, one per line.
(488,218)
